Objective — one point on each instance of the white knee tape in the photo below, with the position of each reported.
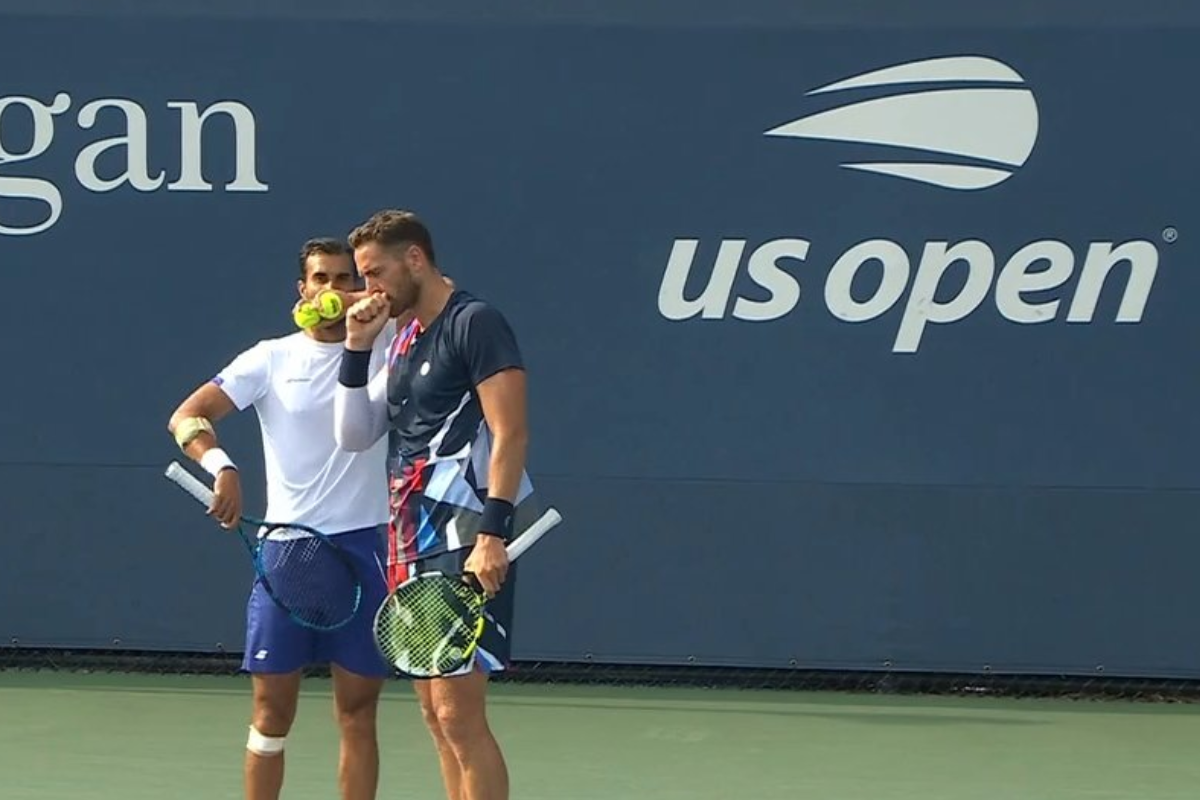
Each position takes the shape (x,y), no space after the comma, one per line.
(264,745)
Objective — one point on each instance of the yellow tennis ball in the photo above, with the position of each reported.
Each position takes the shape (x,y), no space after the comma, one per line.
(329,305)
(306,315)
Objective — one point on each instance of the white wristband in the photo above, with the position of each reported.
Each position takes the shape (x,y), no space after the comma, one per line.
(215,459)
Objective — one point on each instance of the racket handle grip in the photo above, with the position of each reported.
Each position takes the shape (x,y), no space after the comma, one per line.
(190,484)
(530,535)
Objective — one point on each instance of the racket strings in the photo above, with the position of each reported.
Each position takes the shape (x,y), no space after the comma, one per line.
(309,577)
(429,626)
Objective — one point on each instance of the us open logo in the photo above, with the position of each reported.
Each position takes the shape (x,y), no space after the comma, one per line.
(962,122)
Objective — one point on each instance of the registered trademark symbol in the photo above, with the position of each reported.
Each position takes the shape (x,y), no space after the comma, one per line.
(1170,234)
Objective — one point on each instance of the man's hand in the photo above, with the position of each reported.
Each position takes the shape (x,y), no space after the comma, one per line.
(227,498)
(364,320)
(488,562)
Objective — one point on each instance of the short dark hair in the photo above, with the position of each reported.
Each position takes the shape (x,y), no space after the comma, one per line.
(393,227)
(325,245)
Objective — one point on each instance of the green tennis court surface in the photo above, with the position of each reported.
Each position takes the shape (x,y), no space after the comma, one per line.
(135,737)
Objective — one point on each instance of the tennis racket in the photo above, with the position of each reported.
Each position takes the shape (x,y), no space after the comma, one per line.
(301,569)
(431,624)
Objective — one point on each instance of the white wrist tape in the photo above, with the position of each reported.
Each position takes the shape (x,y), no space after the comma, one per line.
(214,460)
(262,745)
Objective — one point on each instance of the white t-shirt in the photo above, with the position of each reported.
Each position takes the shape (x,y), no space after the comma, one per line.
(291,382)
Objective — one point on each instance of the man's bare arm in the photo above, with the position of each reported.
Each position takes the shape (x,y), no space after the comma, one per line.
(502,397)
(209,403)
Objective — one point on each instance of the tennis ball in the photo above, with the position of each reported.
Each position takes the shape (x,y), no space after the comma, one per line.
(329,305)
(305,315)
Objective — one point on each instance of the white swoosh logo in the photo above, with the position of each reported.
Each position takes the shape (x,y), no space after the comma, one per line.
(997,125)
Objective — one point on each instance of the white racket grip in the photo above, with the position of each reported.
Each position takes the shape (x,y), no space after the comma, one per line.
(530,535)
(190,484)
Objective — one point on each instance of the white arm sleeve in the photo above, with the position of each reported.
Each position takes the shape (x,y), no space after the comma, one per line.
(360,414)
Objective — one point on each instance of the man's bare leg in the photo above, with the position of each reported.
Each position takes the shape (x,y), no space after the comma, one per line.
(274,711)
(355,700)
(451,769)
(459,710)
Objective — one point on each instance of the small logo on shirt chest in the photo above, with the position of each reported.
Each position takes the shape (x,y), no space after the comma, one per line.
(425,369)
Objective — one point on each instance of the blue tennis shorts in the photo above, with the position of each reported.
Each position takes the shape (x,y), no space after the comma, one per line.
(277,644)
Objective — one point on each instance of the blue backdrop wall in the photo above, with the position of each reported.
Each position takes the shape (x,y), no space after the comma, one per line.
(861,335)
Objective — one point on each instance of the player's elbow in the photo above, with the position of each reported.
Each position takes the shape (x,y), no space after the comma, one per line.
(173,421)
(512,439)
(350,440)
(188,408)
(343,434)
(349,434)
